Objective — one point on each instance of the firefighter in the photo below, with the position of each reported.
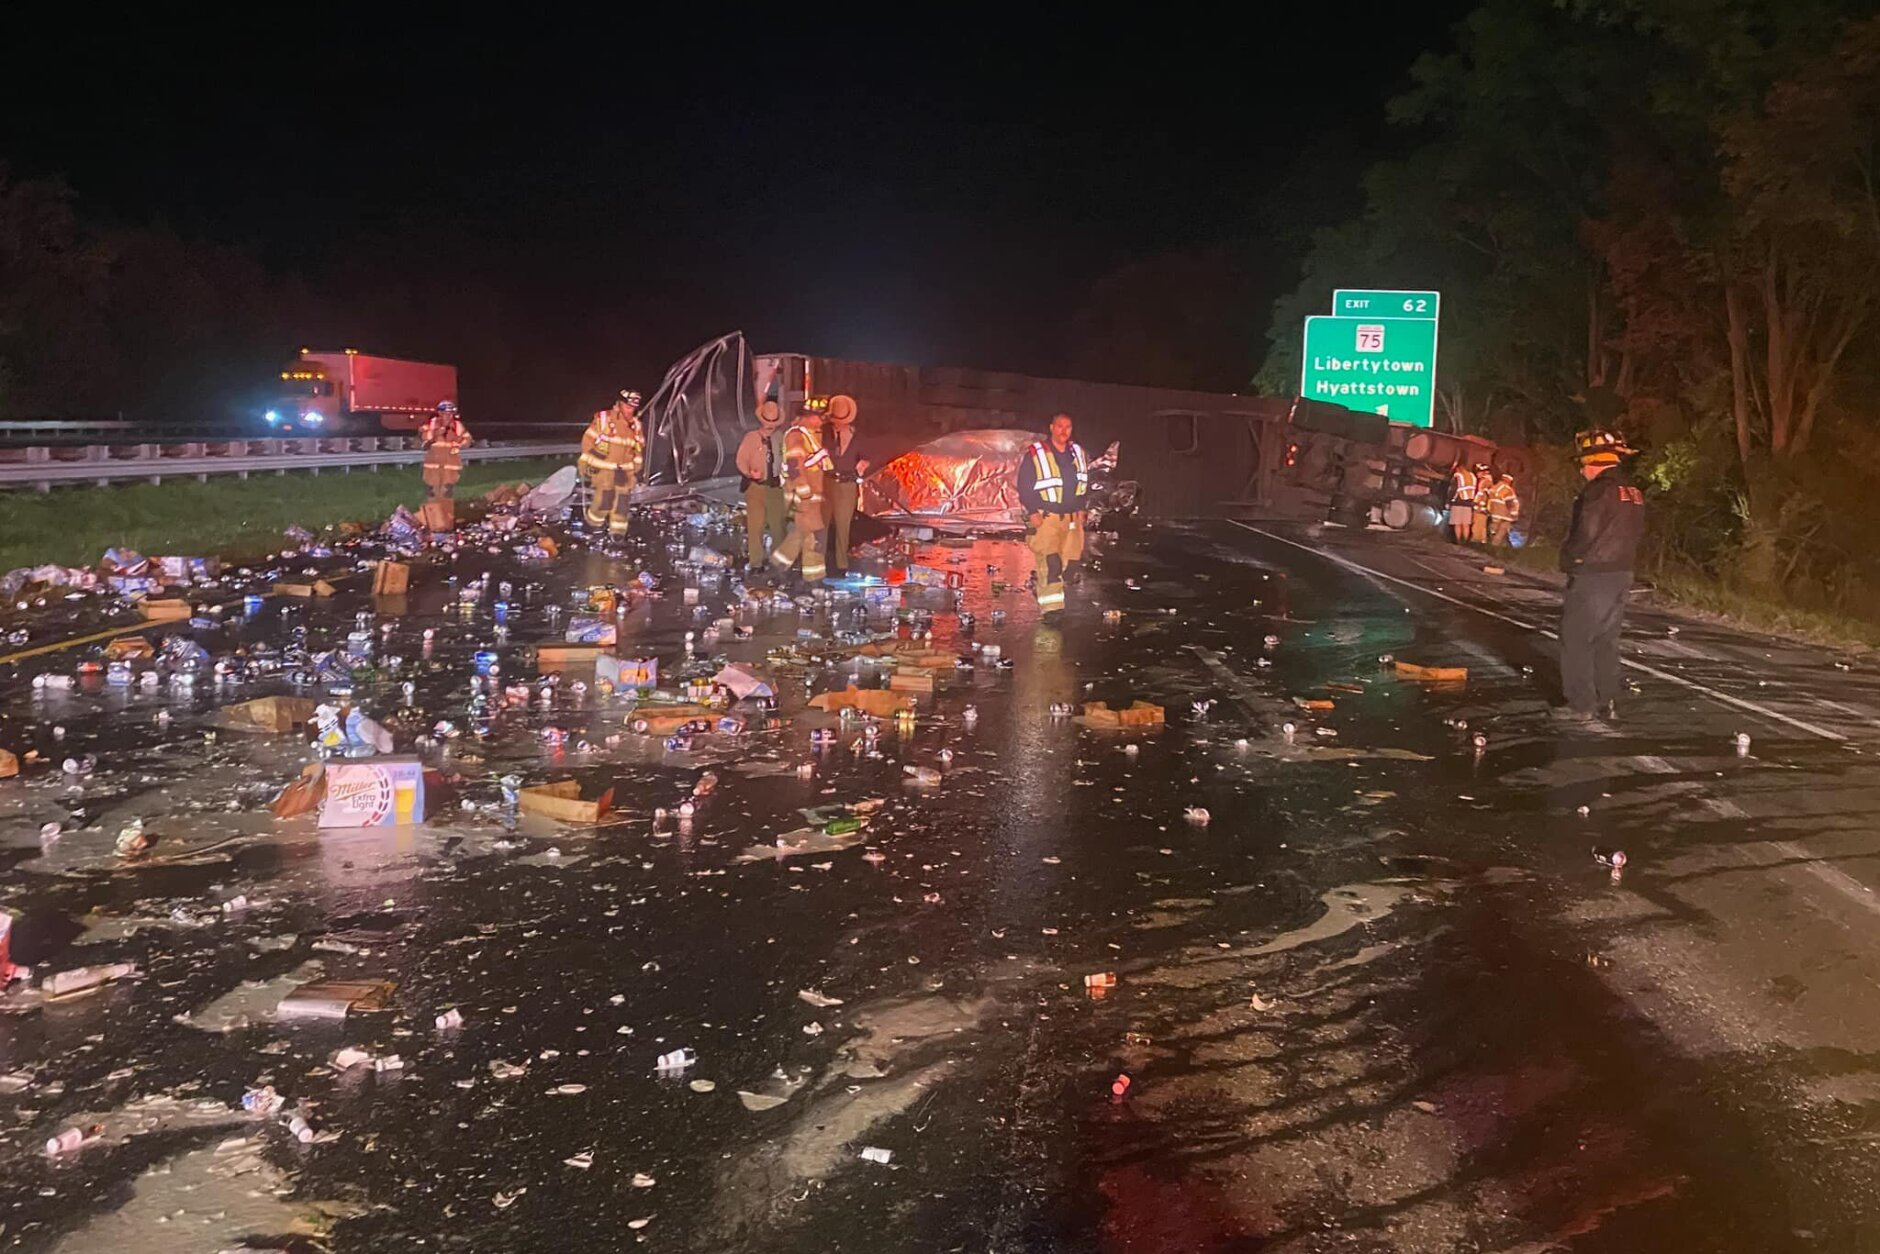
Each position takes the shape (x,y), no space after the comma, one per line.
(1461,502)
(1504,506)
(805,465)
(613,448)
(760,461)
(1597,555)
(846,468)
(1054,485)
(443,437)
(1484,484)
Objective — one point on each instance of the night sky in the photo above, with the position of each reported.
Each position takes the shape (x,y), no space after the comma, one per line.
(947,193)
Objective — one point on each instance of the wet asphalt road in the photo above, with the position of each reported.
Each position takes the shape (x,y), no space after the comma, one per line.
(1384,1000)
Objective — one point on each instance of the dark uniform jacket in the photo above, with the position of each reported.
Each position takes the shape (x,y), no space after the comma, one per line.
(1608,523)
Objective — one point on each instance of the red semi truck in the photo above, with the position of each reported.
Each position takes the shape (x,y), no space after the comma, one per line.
(351,392)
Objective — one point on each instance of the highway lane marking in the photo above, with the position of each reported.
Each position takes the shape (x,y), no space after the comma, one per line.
(1644,668)
(1223,672)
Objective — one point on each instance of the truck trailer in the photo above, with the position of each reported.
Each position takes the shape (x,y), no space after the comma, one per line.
(347,391)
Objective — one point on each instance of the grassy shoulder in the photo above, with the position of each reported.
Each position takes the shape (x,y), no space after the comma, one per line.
(226,516)
(1704,596)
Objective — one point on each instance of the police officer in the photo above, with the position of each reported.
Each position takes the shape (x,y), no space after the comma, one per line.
(1054,487)
(1598,554)
(760,461)
(847,467)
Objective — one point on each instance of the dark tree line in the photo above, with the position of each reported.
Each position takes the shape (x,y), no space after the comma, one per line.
(1661,214)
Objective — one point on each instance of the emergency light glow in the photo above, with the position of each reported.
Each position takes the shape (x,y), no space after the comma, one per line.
(273,416)
(312,419)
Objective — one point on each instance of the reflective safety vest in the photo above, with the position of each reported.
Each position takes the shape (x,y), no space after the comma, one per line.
(1462,488)
(1048,475)
(804,462)
(612,443)
(449,432)
(1504,502)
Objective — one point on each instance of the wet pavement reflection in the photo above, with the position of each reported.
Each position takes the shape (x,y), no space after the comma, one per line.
(1368,1004)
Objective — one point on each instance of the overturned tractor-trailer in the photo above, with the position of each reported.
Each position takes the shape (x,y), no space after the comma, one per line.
(1188,453)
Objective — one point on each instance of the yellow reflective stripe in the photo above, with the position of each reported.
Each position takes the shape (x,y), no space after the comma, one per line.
(1050,598)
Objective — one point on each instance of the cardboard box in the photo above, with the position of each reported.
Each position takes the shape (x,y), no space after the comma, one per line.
(127,648)
(562,802)
(1140,715)
(566,657)
(373,792)
(9,764)
(439,515)
(627,672)
(390,578)
(318,588)
(335,999)
(274,715)
(911,681)
(165,611)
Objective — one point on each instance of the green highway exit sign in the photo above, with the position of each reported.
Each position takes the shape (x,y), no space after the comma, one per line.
(1386,365)
(1362,302)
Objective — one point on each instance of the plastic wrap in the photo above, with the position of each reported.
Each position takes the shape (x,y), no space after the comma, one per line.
(967,481)
(698,414)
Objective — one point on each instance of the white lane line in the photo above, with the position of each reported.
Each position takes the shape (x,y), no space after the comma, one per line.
(1655,672)
(1249,700)
(1864,715)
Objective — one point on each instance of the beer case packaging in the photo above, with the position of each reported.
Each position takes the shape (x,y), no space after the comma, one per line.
(373,792)
(439,515)
(627,672)
(591,631)
(390,578)
(129,648)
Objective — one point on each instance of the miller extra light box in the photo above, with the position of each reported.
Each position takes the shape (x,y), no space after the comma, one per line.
(627,672)
(373,792)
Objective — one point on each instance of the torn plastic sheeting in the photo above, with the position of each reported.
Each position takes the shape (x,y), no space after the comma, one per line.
(804,840)
(697,416)
(553,493)
(968,478)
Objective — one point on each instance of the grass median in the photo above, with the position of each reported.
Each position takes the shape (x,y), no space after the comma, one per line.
(1706,596)
(73,526)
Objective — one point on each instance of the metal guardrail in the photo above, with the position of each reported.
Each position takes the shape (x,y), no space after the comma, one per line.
(41,467)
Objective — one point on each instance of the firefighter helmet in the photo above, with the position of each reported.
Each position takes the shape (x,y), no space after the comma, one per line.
(447,407)
(631,398)
(1600,446)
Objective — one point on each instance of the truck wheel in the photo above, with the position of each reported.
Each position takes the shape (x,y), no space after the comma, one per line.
(1396,513)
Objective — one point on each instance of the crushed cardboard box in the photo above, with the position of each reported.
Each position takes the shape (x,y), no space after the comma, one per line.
(876,701)
(1433,674)
(562,802)
(1140,715)
(275,715)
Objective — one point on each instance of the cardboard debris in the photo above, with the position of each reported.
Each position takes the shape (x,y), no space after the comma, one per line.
(1314,703)
(390,578)
(1140,714)
(169,610)
(627,672)
(335,999)
(660,720)
(275,715)
(1494,570)
(1433,674)
(9,764)
(911,681)
(875,701)
(562,802)
(439,515)
(302,794)
(566,657)
(126,648)
(910,653)
(318,588)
